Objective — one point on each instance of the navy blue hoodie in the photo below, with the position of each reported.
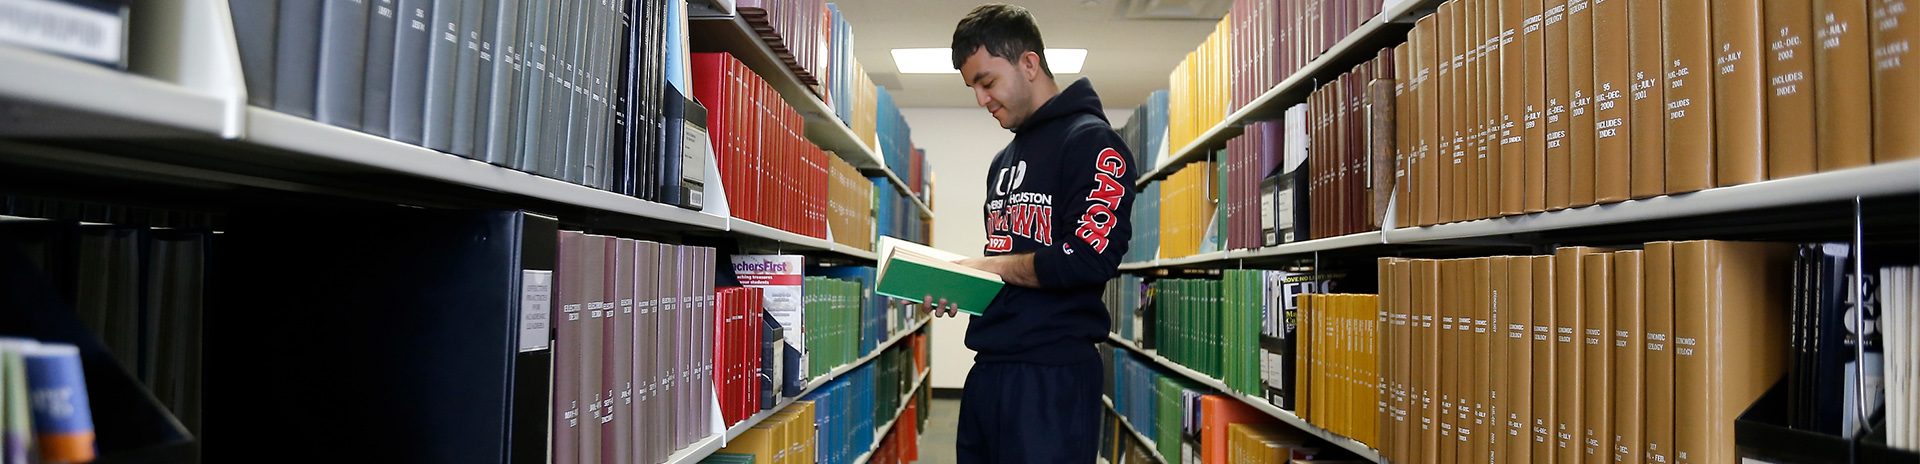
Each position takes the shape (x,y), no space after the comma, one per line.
(1061,190)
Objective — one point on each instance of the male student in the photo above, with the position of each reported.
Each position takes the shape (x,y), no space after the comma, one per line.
(1057,208)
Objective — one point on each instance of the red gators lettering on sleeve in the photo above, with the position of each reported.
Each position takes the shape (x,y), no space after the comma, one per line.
(1099,218)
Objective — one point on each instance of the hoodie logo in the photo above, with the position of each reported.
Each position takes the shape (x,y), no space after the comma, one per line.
(1099,218)
(1002,185)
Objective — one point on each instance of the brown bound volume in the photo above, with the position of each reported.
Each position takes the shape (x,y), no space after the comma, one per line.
(1446,99)
(1480,350)
(1730,338)
(1559,88)
(1791,96)
(646,366)
(568,300)
(1739,83)
(1383,141)
(1612,76)
(1689,128)
(1450,359)
(1570,320)
(1658,424)
(1402,133)
(1488,178)
(1580,142)
(1513,110)
(1426,297)
(1464,120)
(620,335)
(1545,417)
(1596,358)
(1518,313)
(1895,85)
(1404,340)
(1426,58)
(1533,130)
(1648,114)
(1841,65)
(593,344)
(1498,313)
(1628,382)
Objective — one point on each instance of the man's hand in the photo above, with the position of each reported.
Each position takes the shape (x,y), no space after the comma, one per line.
(939,307)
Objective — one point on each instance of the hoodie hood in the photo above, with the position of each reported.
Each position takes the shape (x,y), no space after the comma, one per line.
(1075,99)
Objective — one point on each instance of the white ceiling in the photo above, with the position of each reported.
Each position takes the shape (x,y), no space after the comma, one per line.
(1126,59)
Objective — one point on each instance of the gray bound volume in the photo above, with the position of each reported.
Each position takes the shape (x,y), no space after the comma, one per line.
(569,112)
(466,78)
(377,96)
(496,75)
(443,59)
(407,119)
(343,48)
(552,162)
(296,55)
(533,80)
(254,24)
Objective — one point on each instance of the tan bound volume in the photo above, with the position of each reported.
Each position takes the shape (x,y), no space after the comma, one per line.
(1517,312)
(1499,367)
(1402,133)
(1545,417)
(1841,66)
(1450,359)
(1466,398)
(1790,90)
(1480,349)
(1895,85)
(1491,107)
(1445,100)
(1534,121)
(1730,338)
(1558,88)
(1580,133)
(1465,119)
(1612,76)
(1569,319)
(1658,304)
(1426,56)
(1426,288)
(1513,109)
(1689,128)
(1596,358)
(1404,327)
(1628,381)
(1647,112)
(1739,85)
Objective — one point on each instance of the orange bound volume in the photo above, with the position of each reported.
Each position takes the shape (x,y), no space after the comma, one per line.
(1427,184)
(1596,358)
(1628,382)
(1559,88)
(1658,323)
(1895,85)
(1580,69)
(1730,338)
(1545,417)
(1517,315)
(1690,139)
(1739,85)
(1533,124)
(1647,111)
(1844,136)
(1790,96)
(1612,76)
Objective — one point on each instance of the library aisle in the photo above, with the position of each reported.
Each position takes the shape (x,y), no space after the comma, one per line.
(655,231)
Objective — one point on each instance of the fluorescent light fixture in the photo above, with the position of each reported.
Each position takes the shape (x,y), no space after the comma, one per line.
(940,60)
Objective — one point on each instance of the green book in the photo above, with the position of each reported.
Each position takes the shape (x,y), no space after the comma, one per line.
(911,271)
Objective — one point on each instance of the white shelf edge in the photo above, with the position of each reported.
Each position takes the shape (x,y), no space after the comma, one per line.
(1286,416)
(880,434)
(1886,179)
(902,185)
(155,107)
(713,443)
(1153,448)
(1232,121)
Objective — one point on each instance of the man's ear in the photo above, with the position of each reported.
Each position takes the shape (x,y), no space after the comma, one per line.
(1030,66)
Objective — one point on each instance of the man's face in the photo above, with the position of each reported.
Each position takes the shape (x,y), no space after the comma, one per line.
(1003,87)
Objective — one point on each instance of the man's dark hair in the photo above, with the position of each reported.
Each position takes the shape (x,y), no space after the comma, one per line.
(1006,31)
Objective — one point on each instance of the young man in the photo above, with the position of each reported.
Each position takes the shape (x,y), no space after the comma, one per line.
(1057,225)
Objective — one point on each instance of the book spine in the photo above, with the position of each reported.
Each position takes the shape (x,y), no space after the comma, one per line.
(1647,112)
(406,121)
(1533,130)
(443,72)
(1613,78)
(1629,379)
(1520,359)
(1739,85)
(342,63)
(1689,94)
(255,29)
(376,97)
(1894,82)
(1596,358)
(487,60)
(1843,80)
(1558,95)
(1580,109)
(297,57)
(1791,102)
(1514,68)
(568,278)
(503,109)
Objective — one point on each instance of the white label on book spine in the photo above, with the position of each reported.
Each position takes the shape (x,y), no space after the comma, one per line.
(536,304)
(62,28)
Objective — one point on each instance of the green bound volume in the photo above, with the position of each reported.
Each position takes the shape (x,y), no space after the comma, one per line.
(910,271)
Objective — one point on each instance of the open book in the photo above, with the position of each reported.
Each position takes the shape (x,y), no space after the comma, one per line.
(911,271)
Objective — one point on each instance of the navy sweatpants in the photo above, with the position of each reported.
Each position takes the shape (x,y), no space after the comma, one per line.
(1019,413)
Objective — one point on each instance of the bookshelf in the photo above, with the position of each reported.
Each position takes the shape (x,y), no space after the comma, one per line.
(1358,448)
(1128,424)
(880,434)
(1382,30)
(1872,181)
(713,443)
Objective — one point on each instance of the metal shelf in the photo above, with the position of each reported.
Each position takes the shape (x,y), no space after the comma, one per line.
(1286,416)
(713,443)
(1152,449)
(44,95)
(1292,90)
(880,434)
